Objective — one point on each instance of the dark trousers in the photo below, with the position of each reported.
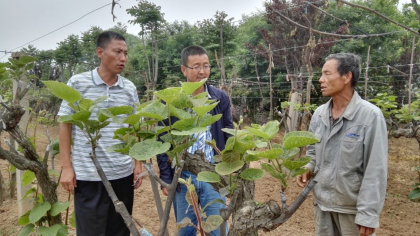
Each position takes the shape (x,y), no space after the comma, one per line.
(95,212)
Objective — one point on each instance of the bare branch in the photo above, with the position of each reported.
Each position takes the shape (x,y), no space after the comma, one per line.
(112,9)
(380,15)
(326,33)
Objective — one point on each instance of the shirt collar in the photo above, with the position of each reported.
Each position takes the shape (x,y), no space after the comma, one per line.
(98,80)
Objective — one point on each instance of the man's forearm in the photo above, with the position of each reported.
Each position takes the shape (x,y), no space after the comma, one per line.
(65,145)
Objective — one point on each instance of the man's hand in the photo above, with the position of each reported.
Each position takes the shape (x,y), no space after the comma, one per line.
(165,191)
(302,180)
(365,231)
(68,179)
(138,168)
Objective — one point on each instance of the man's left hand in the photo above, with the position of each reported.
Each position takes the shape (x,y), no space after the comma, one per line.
(365,231)
(138,168)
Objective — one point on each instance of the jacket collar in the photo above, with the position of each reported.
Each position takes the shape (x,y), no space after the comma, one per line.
(349,113)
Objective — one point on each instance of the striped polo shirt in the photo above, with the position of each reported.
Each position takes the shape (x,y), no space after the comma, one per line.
(123,92)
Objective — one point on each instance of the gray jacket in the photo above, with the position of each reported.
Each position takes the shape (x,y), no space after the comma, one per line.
(350,160)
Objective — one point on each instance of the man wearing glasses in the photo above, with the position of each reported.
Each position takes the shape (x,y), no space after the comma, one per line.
(195,67)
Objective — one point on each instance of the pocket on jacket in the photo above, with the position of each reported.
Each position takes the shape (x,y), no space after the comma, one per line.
(351,154)
(347,188)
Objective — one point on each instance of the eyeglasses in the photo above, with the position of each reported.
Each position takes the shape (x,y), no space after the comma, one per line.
(198,68)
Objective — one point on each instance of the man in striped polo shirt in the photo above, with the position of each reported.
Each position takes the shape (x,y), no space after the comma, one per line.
(95,212)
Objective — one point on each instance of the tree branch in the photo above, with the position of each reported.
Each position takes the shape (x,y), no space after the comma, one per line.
(325,33)
(379,14)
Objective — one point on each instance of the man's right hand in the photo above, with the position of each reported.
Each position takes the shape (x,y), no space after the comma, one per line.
(303,179)
(68,179)
(165,191)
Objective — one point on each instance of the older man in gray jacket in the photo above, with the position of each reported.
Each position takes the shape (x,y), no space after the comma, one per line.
(350,159)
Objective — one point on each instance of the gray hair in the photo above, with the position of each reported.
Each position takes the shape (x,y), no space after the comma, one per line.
(347,62)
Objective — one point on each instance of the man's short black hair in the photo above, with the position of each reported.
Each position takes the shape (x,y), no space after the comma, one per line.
(190,51)
(105,38)
(347,62)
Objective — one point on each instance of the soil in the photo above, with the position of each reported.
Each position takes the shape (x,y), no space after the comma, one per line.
(400,216)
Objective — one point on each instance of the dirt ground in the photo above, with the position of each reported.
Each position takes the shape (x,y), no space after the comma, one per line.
(400,216)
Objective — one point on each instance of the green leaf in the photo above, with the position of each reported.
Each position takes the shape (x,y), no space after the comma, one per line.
(190,131)
(269,154)
(250,158)
(184,223)
(267,167)
(252,174)
(58,207)
(27,177)
(185,124)
(168,95)
(182,147)
(230,156)
(261,144)
(199,101)
(182,101)
(29,192)
(214,201)
(121,131)
(229,131)
(271,128)
(116,147)
(212,223)
(27,59)
(26,230)
(414,194)
(179,113)
(243,146)
(81,115)
(147,149)
(298,139)
(24,220)
(191,192)
(72,220)
(258,133)
(209,177)
(225,168)
(63,231)
(65,119)
(291,164)
(202,110)
(208,119)
(63,91)
(39,211)
(132,119)
(298,171)
(49,231)
(190,87)
(115,111)
(155,110)
(290,153)
(104,114)
(85,104)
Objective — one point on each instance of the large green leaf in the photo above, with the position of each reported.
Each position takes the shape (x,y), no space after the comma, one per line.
(72,220)
(147,149)
(63,91)
(65,119)
(27,177)
(218,200)
(85,104)
(202,110)
(186,124)
(63,231)
(212,223)
(119,110)
(208,119)
(414,194)
(225,168)
(290,153)
(58,207)
(199,101)
(291,164)
(182,147)
(298,139)
(252,174)
(271,128)
(190,131)
(190,87)
(27,59)
(250,158)
(268,167)
(104,114)
(243,146)
(182,101)
(49,231)
(81,115)
(179,113)
(132,119)
(299,171)
(258,133)
(209,177)
(230,143)
(39,211)
(229,131)
(120,147)
(168,95)
(155,110)
(26,230)
(24,220)
(231,156)
(269,154)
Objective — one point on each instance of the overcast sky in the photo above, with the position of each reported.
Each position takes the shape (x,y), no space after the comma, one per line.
(22,21)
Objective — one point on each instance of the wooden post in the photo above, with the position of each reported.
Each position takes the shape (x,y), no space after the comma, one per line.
(366,74)
(411,75)
(1,189)
(271,88)
(23,205)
